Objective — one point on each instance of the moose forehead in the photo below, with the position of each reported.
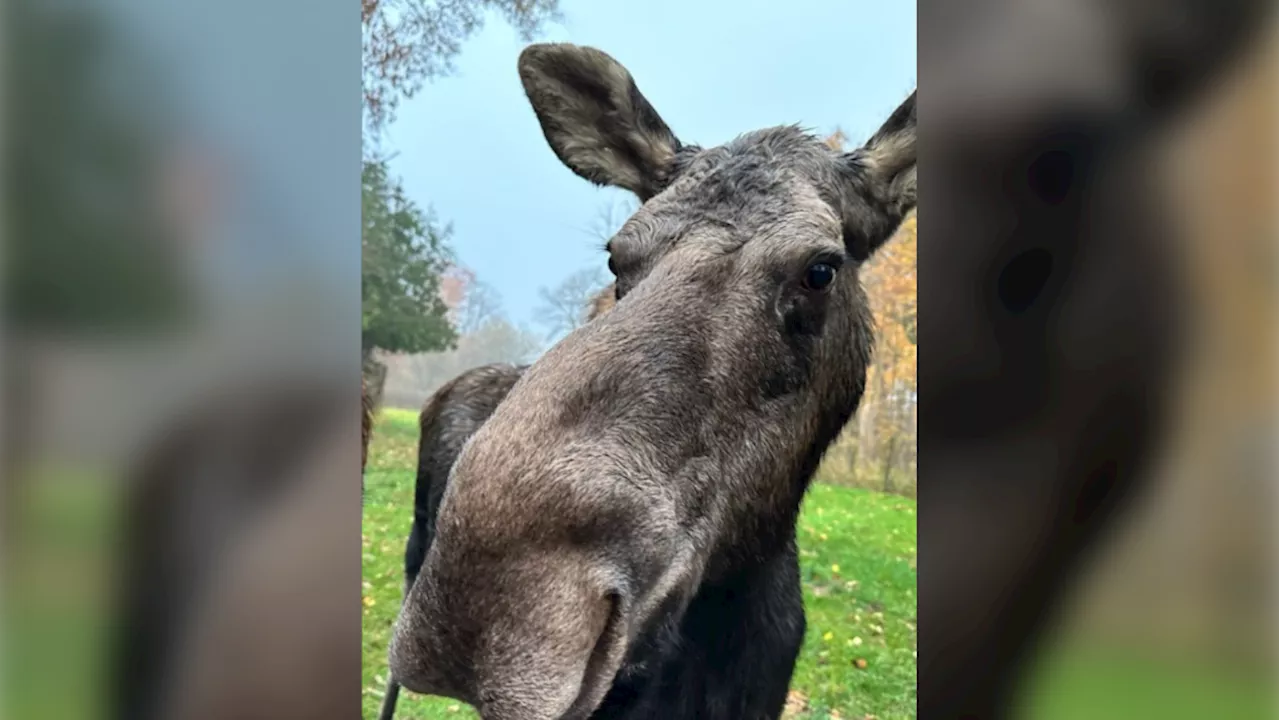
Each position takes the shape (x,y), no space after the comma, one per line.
(763,182)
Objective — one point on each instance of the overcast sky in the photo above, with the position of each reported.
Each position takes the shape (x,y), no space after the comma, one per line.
(469,147)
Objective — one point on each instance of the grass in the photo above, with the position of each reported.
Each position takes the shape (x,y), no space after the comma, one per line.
(1094,681)
(68,539)
(858,551)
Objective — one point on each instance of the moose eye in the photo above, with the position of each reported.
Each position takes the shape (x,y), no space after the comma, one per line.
(819,275)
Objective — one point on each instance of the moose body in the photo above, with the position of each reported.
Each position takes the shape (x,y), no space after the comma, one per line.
(618,539)
(366,429)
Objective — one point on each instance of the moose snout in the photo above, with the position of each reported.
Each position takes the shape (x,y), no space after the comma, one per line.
(534,637)
(554,542)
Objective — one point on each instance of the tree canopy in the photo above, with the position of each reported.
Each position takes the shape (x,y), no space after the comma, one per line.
(403,255)
(565,307)
(409,42)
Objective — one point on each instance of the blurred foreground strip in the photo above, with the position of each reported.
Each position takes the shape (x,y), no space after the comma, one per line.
(1097,310)
(182,470)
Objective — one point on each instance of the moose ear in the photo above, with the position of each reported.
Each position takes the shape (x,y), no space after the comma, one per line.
(880,182)
(596,120)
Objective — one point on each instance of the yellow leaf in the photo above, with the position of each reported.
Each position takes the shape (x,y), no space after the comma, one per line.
(827,637)
(835,568)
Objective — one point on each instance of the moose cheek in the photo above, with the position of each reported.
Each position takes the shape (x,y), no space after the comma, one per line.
(802,325)
(785,380)
(803,316)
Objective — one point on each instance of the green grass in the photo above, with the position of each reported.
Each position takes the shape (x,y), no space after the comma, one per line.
(858,551)
(1090,681)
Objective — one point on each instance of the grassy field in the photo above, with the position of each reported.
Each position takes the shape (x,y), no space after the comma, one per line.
(858,551)
(1091,681)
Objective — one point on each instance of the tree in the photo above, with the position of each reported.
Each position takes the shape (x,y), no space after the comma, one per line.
(481,305)
(472,302)
(499,341)
(611,215)
(889,401)
(89,252)
(565,307)
(837,140)
(403,255)
(411,379)
(409,42)
(878,447)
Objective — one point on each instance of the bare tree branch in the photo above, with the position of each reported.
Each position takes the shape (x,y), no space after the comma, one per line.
(565,307)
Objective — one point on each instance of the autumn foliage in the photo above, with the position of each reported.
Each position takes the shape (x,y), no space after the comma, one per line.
(878,446)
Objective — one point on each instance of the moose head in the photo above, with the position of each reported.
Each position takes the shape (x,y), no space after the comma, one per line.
(665,446)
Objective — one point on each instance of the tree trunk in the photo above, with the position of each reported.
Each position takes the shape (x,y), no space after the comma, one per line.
(375,376)
(888,463)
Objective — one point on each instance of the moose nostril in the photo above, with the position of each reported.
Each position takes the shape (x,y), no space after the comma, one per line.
(1051,174)
(606,657)
(1023,279)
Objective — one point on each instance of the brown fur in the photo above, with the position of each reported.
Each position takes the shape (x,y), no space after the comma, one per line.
(448,419)
(603,302)
(366,425)
(611,536)
(272,635)
(223,466)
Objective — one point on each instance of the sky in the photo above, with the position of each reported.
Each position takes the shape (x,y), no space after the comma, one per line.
(468,146)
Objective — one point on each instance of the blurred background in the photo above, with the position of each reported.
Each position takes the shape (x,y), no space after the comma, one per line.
(1176,617)
(181,314)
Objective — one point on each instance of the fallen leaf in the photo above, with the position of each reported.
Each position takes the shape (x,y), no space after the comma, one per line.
(796,704)
(860,663)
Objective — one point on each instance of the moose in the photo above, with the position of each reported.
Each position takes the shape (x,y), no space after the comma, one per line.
(366,427)
(617,540)
(233,462)
(448,419)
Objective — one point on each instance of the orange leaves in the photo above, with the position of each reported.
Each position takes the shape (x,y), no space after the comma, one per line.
(836,140)
(890,280)
(886,418)
(797,704)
